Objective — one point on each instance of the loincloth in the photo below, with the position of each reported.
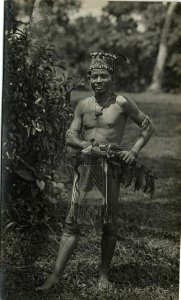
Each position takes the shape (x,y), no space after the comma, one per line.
(95,191)
(96,186)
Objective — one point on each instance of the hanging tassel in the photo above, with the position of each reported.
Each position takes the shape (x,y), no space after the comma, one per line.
(123,173)
(143,178)
(147,179)
(129,175)
(138,181)
(89,213)
(152,185)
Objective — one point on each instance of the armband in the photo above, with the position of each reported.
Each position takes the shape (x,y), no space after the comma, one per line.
(71,133)
(146,122)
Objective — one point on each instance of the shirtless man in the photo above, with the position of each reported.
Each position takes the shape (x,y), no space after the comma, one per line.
(100,118)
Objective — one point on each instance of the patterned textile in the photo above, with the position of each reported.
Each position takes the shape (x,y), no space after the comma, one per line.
(97,179)
(89,193)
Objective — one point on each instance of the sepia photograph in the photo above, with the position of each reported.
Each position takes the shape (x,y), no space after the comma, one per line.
(91,164)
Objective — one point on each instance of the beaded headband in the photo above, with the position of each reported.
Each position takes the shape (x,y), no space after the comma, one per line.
(103,60)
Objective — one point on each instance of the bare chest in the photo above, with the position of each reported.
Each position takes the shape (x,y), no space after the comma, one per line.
(109,117)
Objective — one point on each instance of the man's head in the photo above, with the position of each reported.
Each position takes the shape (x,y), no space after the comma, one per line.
(101,71)
(101,80)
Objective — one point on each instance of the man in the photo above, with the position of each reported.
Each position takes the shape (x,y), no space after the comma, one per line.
(98,124)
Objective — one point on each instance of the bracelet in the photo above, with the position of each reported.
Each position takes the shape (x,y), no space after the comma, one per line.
(146,122)
(71,133)
(84,144)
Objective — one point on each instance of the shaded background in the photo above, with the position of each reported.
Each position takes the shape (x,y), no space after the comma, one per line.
(135,29)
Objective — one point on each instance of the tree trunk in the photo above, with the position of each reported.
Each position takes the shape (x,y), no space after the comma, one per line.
(162,52)
(40,20)
(39,26)
(21,12)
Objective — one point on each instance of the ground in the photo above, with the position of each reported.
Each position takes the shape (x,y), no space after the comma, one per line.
(146,261)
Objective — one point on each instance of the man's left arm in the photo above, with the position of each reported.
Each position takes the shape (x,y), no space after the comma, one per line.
(147,129)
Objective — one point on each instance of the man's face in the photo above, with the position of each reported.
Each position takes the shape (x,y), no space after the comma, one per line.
(101,81)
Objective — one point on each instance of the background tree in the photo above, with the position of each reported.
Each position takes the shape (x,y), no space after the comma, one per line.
(142,44)
(162,52)
(131,28)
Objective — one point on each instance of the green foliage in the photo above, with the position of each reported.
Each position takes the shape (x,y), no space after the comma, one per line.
(35,117)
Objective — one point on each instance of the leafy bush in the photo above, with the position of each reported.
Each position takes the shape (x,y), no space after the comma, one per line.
(35,117)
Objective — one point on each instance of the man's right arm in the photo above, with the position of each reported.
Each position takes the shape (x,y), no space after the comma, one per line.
(73,133)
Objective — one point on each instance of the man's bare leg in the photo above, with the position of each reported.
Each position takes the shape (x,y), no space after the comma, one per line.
(108,244)
(109,237)
(67,245)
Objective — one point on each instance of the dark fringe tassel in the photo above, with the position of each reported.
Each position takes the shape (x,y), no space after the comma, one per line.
(139,179)
(135,173)
(152,185)
(147,179)
(129,176)
(88,213)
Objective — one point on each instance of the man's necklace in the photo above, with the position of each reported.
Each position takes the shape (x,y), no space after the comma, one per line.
(99,112)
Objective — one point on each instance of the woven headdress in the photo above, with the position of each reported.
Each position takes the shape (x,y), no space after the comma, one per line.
(102,60)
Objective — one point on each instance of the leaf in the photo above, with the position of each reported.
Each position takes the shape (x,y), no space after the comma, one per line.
(34,190)
(9,225)
(25,175)
(38,100)
(38,129)
(40,184)
(59,185)
(33,131)
(61,66)
(51,199)
(49,129)
(33,123)
(28,132)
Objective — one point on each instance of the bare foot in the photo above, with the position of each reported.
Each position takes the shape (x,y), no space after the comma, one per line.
(50,282)
(104,283)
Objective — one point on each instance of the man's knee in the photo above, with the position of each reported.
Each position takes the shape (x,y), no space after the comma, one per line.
(110,229)
(71,227)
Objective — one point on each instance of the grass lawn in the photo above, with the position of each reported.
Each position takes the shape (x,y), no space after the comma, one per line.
(146,261)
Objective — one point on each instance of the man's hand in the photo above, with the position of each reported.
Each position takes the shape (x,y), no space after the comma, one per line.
(85,144)
(128,156)
(90,149)
(87,150)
